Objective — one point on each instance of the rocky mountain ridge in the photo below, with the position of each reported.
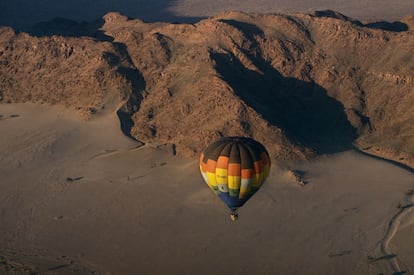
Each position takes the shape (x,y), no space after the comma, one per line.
(302,84)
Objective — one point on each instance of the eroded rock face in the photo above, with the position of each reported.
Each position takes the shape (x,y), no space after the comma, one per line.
(76,72)
(301,84)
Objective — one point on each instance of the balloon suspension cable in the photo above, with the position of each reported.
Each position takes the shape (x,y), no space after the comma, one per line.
(233,215)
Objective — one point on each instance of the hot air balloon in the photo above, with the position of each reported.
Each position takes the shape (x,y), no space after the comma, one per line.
(235,168)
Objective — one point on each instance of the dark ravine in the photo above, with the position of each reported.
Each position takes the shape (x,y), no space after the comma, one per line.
(302,84)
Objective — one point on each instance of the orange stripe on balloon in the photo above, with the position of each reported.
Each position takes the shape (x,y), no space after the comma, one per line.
(211,166)
(222,162)
(247,173)
(202,164)
(234,169)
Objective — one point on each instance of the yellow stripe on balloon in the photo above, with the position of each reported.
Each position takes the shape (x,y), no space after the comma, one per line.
(211,179)
(221,176)
(234,182)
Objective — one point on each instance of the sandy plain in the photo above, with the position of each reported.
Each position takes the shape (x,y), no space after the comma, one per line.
(79,198)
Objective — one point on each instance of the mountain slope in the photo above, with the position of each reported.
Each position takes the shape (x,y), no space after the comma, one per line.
(301,83)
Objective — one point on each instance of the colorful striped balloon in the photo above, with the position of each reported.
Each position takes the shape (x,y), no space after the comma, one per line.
(235,168)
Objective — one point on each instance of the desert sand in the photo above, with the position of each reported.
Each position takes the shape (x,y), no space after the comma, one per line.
(78,197)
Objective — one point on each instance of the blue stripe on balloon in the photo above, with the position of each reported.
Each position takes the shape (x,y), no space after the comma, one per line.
(232,202)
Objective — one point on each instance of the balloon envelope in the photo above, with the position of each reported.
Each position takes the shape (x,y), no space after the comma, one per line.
(235,168)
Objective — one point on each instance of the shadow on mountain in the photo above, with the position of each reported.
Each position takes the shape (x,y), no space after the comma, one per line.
(135,79)
(133,103)
(70,18)
(381,25)
(70,28)
(303,110)
(388,26)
